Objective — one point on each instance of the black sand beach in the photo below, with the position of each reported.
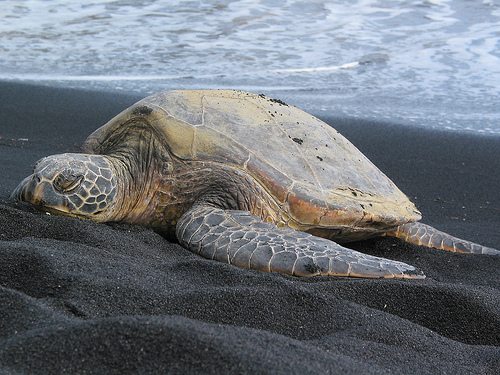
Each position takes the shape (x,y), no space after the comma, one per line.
(80,297)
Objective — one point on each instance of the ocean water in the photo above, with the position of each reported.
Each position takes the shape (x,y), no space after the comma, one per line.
(421,63)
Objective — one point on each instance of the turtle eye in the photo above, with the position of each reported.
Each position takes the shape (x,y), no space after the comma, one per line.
(66,184)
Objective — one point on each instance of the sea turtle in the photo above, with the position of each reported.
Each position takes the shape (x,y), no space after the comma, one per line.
(239,178)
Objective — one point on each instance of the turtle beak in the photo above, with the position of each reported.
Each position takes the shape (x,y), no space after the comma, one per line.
(25,191)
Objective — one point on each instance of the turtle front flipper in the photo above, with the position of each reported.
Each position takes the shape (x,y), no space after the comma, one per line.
(244,240)
(425,235)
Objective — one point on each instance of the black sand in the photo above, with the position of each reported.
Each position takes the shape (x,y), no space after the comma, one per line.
(78,297)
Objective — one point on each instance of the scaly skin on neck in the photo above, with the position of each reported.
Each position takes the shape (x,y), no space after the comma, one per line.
(136,187)
(138,158)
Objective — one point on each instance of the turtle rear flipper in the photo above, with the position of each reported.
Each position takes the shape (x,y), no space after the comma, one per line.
(244,240)
(425,235)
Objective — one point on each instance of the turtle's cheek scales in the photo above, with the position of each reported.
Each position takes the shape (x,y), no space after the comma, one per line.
(91,176)
(99,197)
(98,190)
(75,200)
(106,173)
(95,191)
(89,208)
(93,168)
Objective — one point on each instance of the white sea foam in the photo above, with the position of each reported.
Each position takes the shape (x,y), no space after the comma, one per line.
(161,77)
(318,69)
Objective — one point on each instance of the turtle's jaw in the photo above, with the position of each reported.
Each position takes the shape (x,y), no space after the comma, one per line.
(26,191)
(35,191)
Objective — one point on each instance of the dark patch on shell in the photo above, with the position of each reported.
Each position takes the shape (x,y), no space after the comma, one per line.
(319,157)
(272,100)
(143,110)
(298,140)
(278,101)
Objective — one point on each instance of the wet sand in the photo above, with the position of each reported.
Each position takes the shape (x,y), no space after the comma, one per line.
(80,297)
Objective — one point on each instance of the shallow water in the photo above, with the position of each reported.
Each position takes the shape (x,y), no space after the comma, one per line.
(431,63)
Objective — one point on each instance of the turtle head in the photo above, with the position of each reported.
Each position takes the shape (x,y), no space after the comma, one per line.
(72,184)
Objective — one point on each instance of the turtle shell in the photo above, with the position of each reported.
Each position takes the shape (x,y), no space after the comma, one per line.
(311,170)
